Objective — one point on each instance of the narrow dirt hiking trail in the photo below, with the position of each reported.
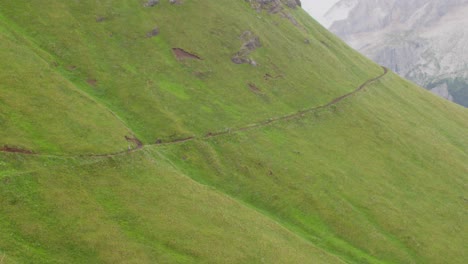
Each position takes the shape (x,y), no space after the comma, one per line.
(140,146)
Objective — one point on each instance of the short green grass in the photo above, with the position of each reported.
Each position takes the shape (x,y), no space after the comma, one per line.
(159,97)
(373,176)
(43,111)
(378,178)
(134,209)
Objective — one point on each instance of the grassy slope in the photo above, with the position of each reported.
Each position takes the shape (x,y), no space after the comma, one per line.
(160,97)
(378,178)
(41,110)
(133,209)
(375,176)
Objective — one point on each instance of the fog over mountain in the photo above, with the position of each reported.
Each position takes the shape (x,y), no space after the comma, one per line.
(424,41)
(318,8)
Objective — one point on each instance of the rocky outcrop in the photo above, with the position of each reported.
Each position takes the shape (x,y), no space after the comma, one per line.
(250,43)
(153,33)
(274,6)
(442,91)
(277,7)
(292,3)
(151,3)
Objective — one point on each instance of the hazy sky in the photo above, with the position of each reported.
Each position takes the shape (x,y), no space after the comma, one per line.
(317,8)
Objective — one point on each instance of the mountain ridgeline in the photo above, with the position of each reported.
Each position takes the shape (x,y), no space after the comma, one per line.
(227,131)
(424,41)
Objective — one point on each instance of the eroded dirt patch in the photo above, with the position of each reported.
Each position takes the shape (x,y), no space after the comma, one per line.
(92,82)
(202,75)
(181,54)
(268,77)
(135,141)
(100,19)
(254,88)
(12,149)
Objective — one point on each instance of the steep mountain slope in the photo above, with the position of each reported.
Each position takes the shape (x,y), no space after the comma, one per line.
(217,132)
(424,41)
(162,97)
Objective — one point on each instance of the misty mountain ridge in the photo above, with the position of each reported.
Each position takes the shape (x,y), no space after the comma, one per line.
(424,41)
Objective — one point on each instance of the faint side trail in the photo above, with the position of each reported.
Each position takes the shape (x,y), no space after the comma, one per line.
(269,121)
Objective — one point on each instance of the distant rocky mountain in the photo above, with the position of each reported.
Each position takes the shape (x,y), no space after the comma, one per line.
(425,41)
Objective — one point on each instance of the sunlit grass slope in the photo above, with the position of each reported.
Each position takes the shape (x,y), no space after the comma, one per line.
(379,177)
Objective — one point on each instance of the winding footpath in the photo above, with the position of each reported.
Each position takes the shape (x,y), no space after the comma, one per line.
(140,146)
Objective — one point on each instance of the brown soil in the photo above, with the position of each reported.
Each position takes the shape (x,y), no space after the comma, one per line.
(173,141)
(202,75)
(215,134)
(92,82)
(15,150)
(325,44)
(271,77)
(182,54)
(182,140)
(135,141)
(254,88)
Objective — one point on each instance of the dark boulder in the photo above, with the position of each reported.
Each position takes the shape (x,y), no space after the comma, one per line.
(151,3)
(251,42)
(153,33)
(274,6)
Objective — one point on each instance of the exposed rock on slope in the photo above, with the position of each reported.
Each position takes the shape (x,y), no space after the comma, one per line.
(274,6)
(251,43)
(152,3)
(424,41)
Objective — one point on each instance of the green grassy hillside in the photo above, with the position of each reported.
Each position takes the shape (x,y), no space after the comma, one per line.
(158,96)
(290,160)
